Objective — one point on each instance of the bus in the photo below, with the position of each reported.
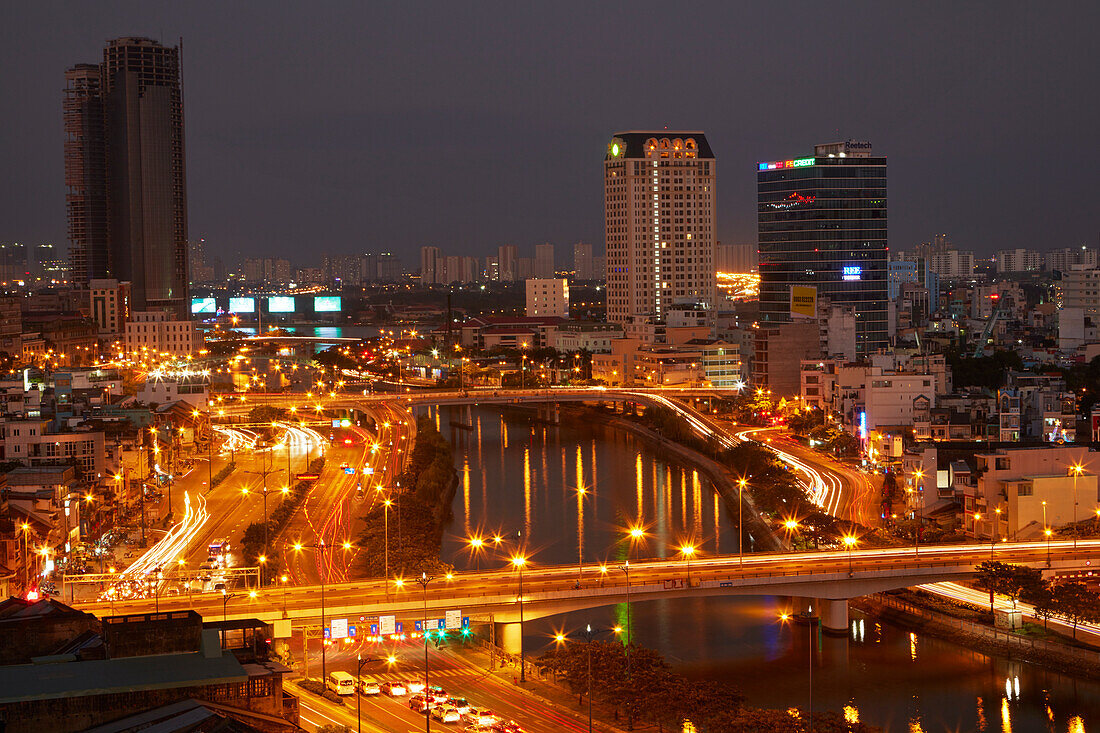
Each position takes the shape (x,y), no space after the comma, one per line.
(219,552)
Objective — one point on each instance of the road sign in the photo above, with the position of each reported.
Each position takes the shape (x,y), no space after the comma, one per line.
(335,422)
(387,625)
(374,629)
(326,633)
(339,628)
(400,627)
(453,620)
(349,470)
(351,631)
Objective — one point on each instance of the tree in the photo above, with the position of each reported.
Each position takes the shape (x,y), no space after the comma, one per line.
(1077,603)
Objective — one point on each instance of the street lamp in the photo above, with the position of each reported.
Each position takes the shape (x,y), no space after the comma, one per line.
(581,493)
(918,489)
(1077,468)
(387,504)
(320,547)
(424,579)
(360,661)
(687,551)
(850,541)
(519,561)
(740,532)
(1048,533)
(225,604)
(476,545)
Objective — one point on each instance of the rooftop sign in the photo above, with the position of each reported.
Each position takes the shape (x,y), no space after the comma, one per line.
(780,164)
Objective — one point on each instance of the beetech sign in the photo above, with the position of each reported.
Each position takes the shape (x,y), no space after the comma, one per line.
(781,164)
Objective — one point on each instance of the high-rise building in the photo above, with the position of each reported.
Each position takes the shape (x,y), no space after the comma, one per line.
(735,257)
(1064,259)
(582,261)
(822,224)
(431,265)
(1018,260)
(507,254)
(389,268)
(659,206)
(124,170)
(544,260)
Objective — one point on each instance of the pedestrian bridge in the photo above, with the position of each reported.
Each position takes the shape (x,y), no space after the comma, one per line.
(831,577)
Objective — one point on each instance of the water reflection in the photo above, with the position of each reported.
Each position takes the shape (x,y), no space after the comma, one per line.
(888,676)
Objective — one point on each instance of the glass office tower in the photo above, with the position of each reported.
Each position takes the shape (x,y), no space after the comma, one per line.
(822,223)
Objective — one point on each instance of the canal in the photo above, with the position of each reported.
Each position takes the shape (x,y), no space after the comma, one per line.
(520,476)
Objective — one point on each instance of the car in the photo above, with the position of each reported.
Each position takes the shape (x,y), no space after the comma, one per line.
(478,728)
(446,714)
(437,693)
(509,726)
(480,717)
(420,703)
(369,687)
(394,689)
(459,703)
(414,687)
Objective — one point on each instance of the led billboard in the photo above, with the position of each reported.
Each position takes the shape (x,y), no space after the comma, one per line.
(203,305)
(242,305)
(280,304)
(326,304)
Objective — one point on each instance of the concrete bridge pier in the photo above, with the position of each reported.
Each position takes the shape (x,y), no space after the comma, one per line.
(507,636)
(834,615)
(798,607)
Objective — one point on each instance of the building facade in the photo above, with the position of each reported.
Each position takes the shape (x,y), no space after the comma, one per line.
(659,204)
(125,172)
(154,332)
(822,224)
(547,297)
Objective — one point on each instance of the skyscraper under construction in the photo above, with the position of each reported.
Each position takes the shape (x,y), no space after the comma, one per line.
(124,171)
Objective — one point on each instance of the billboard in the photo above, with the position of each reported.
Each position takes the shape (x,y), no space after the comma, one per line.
(326,304)
(242,305)
(803,301)
(339,628)
(453,619)
(203,305)
(387,625)
(280,304)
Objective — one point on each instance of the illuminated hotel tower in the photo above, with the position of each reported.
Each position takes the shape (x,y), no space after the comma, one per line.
(659,204)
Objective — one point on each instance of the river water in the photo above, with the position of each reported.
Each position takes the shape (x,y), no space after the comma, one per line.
(516,475)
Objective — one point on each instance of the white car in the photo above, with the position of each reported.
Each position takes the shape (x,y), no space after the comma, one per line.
(480,717)
(369,687)
(414,687)
(446,714)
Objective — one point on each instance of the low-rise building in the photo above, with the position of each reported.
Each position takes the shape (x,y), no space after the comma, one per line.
(547,297)
(154,332)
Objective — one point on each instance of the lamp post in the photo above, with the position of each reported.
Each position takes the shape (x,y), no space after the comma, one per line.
(996,531)
(687,551)
(1077,468)
(26,563)
(225,604)
(424,579)
(581,493)
(519,561)
(918,489)
(282,581)
(320,547)
(476,545)
(589,633)
(850,541)
(740,532)
(386,521)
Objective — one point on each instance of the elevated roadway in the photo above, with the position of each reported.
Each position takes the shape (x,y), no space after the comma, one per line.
(832,577)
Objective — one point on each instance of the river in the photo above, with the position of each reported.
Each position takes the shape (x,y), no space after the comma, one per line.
(520,476)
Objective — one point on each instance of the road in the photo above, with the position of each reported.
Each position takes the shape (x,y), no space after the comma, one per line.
(457,676)
(840,490)
(550,589)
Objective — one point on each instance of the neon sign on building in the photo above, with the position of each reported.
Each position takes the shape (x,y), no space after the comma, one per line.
(781,164)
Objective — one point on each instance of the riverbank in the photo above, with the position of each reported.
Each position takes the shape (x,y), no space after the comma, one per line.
(762,536)
(911,610)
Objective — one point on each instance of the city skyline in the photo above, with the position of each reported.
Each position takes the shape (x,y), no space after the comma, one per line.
(267,175)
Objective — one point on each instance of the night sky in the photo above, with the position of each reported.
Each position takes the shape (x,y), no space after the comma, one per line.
(367,126)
